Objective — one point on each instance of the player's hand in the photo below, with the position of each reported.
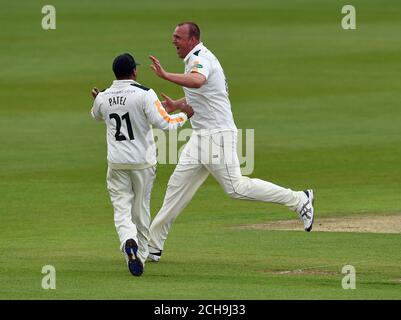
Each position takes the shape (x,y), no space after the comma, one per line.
(157,67)
(94,92)
(187,109)
(169,104)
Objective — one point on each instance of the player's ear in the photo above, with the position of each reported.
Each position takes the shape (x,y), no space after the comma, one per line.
(134,73)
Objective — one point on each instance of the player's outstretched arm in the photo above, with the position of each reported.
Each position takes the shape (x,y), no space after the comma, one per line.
(159,117)
(172,105)
(188,80)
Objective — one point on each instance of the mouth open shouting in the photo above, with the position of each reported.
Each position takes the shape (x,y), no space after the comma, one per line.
(183,41)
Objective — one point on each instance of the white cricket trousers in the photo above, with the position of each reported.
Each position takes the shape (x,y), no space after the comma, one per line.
(130,192)
(216,154)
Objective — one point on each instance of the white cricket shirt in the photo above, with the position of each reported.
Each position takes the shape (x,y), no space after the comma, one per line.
(129,110)
(212,108)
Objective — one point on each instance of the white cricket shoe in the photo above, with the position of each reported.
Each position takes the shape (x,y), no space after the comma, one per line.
(306,211)
(154,254)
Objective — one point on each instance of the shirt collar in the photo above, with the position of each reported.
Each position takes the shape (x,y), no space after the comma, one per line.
(117,82)
(197,47)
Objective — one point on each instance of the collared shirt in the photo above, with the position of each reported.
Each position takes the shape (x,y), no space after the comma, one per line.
(129,109)
(212,108)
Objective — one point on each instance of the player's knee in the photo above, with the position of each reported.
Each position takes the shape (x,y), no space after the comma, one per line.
(233,191)
(237,188)
(176,182)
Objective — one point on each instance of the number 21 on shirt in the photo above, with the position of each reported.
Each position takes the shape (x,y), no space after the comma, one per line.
(119,136)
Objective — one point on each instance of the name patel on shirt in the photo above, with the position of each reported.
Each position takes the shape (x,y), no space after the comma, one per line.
(117,100)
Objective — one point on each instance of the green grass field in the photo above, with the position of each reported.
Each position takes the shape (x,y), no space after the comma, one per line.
(325,106)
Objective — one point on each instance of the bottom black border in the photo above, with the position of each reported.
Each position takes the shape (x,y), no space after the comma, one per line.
(201,309)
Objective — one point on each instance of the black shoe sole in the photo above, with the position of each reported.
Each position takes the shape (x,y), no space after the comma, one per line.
(135,265)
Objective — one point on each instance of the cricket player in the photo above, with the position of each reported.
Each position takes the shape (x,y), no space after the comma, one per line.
(212,146)
(129,109)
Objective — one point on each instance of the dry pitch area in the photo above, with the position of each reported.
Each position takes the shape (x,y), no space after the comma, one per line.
(360,223)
